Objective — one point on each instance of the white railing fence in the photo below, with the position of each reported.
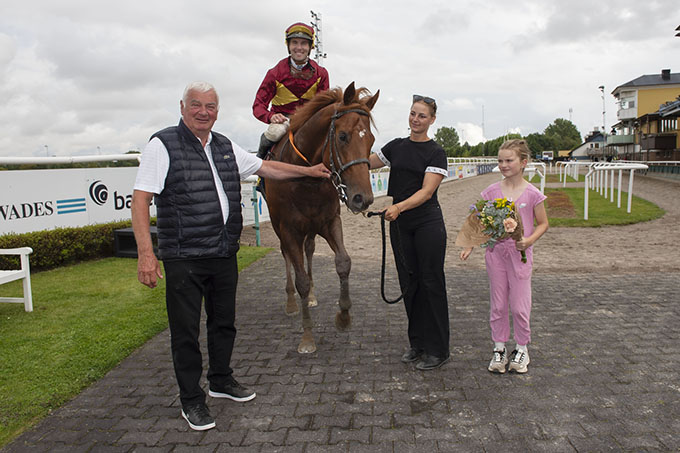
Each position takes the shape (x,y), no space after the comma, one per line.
(601,177)
(572,169)
(56,160)
(662,168)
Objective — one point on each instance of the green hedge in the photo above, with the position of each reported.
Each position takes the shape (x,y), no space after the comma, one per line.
(61,246)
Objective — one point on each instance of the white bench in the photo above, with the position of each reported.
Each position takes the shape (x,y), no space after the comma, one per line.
(22,274)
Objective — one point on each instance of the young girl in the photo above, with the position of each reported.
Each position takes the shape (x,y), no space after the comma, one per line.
(509,278)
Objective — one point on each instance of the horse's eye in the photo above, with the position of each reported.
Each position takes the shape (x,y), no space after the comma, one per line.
(344,137)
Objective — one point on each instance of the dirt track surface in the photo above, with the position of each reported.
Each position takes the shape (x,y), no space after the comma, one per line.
(640,248)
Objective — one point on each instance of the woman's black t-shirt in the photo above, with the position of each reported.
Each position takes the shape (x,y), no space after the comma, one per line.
(408,162)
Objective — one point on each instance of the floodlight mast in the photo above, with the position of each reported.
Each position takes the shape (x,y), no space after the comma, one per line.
(318,45)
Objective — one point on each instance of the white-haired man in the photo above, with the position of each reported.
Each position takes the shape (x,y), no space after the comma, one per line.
(194,175)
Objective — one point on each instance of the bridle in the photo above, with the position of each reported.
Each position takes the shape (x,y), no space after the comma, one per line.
(334,154)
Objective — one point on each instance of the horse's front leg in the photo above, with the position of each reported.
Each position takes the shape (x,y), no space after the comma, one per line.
(291,308)
(295,254)
(343,265)
(310,246)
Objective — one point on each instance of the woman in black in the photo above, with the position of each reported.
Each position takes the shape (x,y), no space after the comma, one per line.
(417,167)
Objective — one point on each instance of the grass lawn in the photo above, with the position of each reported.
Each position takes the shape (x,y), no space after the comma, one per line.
(565,209)
(86,319)
(556,178)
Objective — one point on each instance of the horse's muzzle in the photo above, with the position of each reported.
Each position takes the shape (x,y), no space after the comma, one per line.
(359,202)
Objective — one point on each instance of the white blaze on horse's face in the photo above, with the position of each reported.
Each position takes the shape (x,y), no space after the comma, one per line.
(362,133)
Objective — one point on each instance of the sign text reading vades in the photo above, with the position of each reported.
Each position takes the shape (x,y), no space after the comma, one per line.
(34,200)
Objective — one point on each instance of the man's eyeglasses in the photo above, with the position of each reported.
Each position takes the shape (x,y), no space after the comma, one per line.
(425,99)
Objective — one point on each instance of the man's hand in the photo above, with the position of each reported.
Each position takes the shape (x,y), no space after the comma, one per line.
(148,270)
(320,171)
(278,118)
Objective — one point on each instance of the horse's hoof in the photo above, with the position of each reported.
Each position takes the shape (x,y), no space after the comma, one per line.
(292,308)
(306,348)
(312,301)
(343,320)
(307,344)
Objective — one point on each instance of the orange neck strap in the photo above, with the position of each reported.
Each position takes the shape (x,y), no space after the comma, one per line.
(290,138)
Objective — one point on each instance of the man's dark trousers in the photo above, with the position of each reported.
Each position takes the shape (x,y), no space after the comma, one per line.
(188,282)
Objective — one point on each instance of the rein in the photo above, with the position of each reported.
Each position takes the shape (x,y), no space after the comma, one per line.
(401,256)
(334,154)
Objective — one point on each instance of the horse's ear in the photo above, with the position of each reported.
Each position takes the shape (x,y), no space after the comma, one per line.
(350,91)
(372,100)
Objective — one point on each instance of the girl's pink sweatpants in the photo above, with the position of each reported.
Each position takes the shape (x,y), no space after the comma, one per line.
(510,288)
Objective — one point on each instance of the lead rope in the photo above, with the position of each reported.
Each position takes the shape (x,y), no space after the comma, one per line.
(400,251)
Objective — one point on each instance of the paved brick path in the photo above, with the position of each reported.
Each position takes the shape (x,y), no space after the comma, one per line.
(603,376)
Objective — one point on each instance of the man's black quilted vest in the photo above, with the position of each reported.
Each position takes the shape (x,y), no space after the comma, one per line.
(190,223)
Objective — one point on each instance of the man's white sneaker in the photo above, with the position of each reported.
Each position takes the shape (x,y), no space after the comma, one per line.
(499,361)
(519,362)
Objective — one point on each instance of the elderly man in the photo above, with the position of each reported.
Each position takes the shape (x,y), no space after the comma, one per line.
(194,175)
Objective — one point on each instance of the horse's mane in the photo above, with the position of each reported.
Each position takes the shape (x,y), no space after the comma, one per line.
(326,98)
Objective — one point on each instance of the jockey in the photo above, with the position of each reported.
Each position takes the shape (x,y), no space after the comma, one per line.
(293,81)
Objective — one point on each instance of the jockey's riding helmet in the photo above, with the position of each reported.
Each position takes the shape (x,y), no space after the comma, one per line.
(300,30)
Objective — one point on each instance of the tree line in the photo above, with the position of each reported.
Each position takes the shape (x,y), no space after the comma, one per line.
(561,134)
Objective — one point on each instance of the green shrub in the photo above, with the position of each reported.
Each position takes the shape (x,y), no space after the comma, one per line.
(62,246)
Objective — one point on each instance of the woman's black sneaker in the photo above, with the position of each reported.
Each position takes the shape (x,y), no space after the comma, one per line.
(430,362)
(412,355)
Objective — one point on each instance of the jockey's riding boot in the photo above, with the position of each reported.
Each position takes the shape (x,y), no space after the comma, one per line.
(265,146)
(260,187)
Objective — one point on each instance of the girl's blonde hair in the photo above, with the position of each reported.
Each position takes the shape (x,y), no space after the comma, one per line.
(518,145)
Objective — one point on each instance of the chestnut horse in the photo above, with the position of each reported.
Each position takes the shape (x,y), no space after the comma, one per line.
(333,128)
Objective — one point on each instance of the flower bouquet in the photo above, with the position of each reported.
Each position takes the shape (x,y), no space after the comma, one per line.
(491,221)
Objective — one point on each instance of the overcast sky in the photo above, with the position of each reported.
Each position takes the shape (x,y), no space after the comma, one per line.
(88,77)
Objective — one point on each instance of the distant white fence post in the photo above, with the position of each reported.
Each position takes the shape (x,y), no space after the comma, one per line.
(586,189)
(630,190)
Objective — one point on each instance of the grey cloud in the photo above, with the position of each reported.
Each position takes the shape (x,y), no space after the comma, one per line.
(444,22)
(7,52)
(598,22)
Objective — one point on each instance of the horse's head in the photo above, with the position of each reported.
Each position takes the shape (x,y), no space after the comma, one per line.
(342,125)
(350,143)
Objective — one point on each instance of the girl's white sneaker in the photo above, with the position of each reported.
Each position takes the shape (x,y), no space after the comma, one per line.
(519,362)
(499,361)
